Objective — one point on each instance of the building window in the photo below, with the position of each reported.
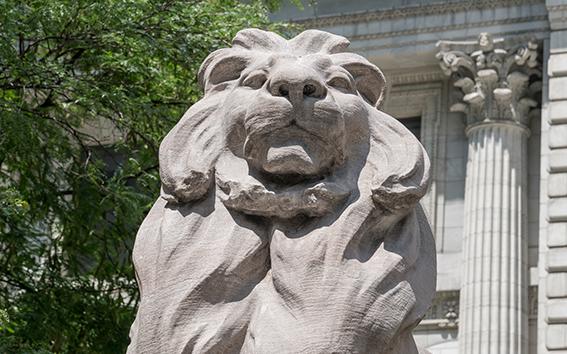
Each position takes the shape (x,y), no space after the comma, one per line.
(414,125)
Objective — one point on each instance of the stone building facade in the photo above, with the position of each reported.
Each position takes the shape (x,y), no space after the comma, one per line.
(483,84)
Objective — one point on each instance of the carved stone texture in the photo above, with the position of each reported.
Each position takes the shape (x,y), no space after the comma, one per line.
(289,219)
(497,80)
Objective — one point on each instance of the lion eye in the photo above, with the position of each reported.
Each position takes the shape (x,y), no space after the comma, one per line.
(255,80)
(340,83)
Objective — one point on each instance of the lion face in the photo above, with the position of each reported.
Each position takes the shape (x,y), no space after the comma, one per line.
(293,123)
(286,127)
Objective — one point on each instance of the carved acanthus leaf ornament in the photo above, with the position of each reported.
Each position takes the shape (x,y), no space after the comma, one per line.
(496,80)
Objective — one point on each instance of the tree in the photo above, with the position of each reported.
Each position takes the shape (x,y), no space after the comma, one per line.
(88,88)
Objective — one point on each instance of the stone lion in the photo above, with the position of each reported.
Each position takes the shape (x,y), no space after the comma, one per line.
(289,219)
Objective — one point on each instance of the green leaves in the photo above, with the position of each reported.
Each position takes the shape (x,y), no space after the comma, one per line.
(87,91)
(12,204)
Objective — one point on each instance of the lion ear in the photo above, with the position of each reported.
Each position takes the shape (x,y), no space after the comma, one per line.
(221,67)
(225,65)
(369,80)
(402,173)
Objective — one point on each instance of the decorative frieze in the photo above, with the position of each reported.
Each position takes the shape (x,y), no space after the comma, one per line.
(447,27)
(410,11)
(527,33)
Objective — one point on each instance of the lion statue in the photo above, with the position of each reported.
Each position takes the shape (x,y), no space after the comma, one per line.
(288,220)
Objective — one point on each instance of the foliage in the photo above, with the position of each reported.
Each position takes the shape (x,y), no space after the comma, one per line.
(88,88)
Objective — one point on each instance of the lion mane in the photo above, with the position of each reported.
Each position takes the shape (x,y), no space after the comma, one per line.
(328,253)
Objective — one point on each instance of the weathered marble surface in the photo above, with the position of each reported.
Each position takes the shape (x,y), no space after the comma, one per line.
(289,219)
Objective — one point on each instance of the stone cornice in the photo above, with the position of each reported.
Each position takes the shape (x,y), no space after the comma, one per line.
(410,11)
(456,26)
(516,35)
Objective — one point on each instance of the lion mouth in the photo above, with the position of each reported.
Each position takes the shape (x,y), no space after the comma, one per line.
(290,150)
(293,154)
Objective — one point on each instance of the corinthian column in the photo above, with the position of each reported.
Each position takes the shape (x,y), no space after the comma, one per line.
(495,81)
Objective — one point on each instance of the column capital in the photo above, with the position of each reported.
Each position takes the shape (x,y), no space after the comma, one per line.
(495,79)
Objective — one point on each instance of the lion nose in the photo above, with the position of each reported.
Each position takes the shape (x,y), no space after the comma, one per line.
(296,89)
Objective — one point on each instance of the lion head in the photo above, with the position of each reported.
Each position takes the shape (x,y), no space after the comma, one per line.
(286,127)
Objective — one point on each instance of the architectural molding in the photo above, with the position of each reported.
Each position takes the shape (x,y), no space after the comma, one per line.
(406,77)
(451,27)
(420,10)
(516,35)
